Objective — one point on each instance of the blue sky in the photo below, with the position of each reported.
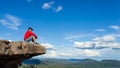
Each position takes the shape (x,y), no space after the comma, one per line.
(69,29)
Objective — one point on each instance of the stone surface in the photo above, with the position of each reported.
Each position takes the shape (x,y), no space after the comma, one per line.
(13,53)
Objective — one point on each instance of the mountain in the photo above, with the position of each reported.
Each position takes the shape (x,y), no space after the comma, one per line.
(66,61)
(72,63)
(76,60)
(31,61)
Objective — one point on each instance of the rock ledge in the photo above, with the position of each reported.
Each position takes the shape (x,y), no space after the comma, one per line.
(13,53)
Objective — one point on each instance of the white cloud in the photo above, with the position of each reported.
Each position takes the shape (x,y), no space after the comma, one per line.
(115,35)
(98,54)
(100,30)
(48,5)
(115,45)
(59,8)
(115,27)
(62,53)
(83,45)
(107,41)
(65,54)
(91,53)
(107,38)
(10,21)
(51,54)
(47,45)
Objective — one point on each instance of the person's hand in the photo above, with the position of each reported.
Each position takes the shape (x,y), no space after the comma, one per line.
(36,37)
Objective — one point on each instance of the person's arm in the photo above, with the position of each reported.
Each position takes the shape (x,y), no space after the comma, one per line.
(34,35)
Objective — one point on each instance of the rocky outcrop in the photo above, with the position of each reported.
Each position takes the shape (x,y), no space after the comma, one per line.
(13,53)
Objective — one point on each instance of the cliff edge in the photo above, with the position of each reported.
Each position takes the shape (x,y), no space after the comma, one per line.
(13,53)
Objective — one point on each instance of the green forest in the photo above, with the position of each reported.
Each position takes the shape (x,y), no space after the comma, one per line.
(74,64)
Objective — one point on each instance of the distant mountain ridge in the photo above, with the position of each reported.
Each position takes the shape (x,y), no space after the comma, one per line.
(62,61)
(70,63)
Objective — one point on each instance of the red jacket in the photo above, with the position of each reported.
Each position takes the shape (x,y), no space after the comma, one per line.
(28,34)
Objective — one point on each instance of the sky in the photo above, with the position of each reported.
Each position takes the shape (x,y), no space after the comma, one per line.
(68,29)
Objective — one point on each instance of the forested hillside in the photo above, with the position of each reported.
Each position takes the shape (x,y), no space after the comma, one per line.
(61,63)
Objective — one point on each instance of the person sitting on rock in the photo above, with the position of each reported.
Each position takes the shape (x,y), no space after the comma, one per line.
(30,36)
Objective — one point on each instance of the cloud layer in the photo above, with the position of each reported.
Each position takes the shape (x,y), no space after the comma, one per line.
(107,41)
(100,47)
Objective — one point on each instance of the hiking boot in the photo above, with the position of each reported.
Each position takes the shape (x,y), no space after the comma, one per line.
(36,43)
